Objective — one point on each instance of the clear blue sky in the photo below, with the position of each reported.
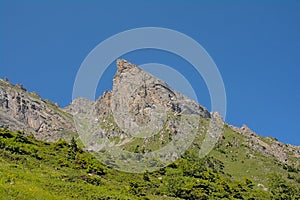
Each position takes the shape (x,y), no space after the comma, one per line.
(256,46)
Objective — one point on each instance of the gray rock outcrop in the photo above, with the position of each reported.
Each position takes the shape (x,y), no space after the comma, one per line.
(140,102)
(21,110)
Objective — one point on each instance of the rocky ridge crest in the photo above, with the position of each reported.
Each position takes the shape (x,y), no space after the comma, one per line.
(269,146)
(28,112)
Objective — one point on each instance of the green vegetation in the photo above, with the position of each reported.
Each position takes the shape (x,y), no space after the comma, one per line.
(31,169)
(240,160)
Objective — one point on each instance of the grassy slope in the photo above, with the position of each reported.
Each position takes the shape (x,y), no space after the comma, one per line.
(31,169)
(240,160)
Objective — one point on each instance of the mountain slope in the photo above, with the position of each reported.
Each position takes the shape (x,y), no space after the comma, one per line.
(139,101)
(241,165)
(31,169)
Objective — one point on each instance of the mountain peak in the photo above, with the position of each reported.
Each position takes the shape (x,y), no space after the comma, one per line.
(141,92)
(124,66)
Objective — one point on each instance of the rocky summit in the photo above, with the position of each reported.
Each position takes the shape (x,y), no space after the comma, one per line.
(139,109)
(140,100)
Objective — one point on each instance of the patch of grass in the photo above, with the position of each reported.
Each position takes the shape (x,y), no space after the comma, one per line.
(31,169)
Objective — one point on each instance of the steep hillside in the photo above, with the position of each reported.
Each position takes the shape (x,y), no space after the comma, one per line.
(31,169)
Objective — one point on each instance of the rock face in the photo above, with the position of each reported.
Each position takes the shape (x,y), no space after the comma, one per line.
(143,100)
(20,110)
(146,92)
